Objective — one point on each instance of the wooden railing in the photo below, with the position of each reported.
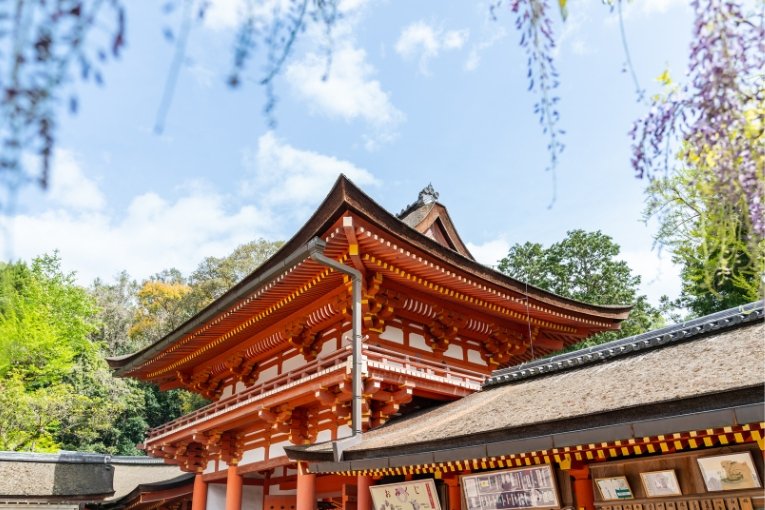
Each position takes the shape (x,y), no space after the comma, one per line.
(336,358)
(409,363)
(412,363)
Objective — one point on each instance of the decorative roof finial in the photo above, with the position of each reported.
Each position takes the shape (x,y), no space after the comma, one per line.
(427,195)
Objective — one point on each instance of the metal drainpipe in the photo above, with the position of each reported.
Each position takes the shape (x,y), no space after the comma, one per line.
(355,332)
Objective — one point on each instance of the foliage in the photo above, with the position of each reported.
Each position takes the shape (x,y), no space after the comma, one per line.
(57,391)
(721,255)
(538,41)
(713,115)
(584,266)
(45,46)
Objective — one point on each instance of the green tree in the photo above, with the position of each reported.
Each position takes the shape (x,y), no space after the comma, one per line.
(214,276)
(584,266)
(712,239)
(57,391)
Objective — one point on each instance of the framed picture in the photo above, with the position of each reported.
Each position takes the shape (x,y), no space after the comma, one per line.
(415,495)
(729,472)
(614,488)
(529,487)
(661,483)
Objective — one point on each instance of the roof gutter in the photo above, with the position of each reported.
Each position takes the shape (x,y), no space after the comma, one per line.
(355,275)
(315,245)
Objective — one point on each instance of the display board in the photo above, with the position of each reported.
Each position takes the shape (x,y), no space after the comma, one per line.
(530,487)
(414,495)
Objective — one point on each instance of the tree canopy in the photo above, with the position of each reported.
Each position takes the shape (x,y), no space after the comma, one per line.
(584,266)
(56,390)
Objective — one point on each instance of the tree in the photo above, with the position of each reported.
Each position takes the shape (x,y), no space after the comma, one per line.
(56,390)
(584,266)
(721,254)
(214,276)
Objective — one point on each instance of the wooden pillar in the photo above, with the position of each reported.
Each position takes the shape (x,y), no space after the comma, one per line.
(233,489)
(306,488)
(199,495)
(455,499)
(585,499)
(363,497)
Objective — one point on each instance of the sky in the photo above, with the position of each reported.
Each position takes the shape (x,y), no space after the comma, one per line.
(418,92)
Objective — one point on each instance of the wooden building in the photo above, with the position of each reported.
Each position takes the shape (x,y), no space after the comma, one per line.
(361,317)
(672,419)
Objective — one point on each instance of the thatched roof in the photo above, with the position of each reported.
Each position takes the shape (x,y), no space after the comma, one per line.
(712,363)
(68,476)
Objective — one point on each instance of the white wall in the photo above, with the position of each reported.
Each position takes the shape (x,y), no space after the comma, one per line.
(216,496)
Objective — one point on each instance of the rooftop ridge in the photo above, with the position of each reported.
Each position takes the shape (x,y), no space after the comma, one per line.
(427,195)
(72,457)
(676,333)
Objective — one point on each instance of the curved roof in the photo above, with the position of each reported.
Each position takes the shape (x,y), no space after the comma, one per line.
(345,198)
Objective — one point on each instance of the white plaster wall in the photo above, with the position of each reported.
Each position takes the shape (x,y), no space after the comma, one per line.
(216,496)
(277,449)
(392,335)
(418,342)
(227,391)
(475,357)
(274,490)
(251,456)
(324,435)
(343,431)
(252,497)
(454,351)
(267,374)
(292,363)
(210,467)
(328,347)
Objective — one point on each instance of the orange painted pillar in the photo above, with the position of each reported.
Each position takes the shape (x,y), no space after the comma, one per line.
(306,488)
(233,489)
(455,499)
(199,495)
(363,497)
(585,499)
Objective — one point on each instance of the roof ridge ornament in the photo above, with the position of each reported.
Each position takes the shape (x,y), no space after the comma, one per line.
(427,195)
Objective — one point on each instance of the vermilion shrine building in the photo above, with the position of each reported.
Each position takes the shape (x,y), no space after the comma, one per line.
(277,354)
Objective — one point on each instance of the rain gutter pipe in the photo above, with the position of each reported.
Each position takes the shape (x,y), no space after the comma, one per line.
(318,255)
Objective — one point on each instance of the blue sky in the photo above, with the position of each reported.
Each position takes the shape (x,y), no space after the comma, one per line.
(419,92)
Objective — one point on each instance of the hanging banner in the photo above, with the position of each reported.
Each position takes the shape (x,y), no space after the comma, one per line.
(414,495)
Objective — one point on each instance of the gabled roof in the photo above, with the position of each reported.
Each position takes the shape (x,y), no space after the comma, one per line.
(344,199)
(705,373)
(431,218)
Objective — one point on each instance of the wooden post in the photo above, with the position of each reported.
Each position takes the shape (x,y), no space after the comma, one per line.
(455,499)
(199,495)
(585,499)
(233,489)
(306,488)
(363,497)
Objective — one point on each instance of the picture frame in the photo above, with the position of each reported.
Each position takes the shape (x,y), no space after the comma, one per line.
(413,495)
(614,488)
(728,472)
(532,487)
(661,483)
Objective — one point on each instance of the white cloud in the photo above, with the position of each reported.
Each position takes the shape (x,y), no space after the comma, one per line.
(490,252)
(423,40)
(70,187)
(496,33)
(295,179)
(350,92)
(155,231)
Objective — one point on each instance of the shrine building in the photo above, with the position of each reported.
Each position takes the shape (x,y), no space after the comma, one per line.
(362,317)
